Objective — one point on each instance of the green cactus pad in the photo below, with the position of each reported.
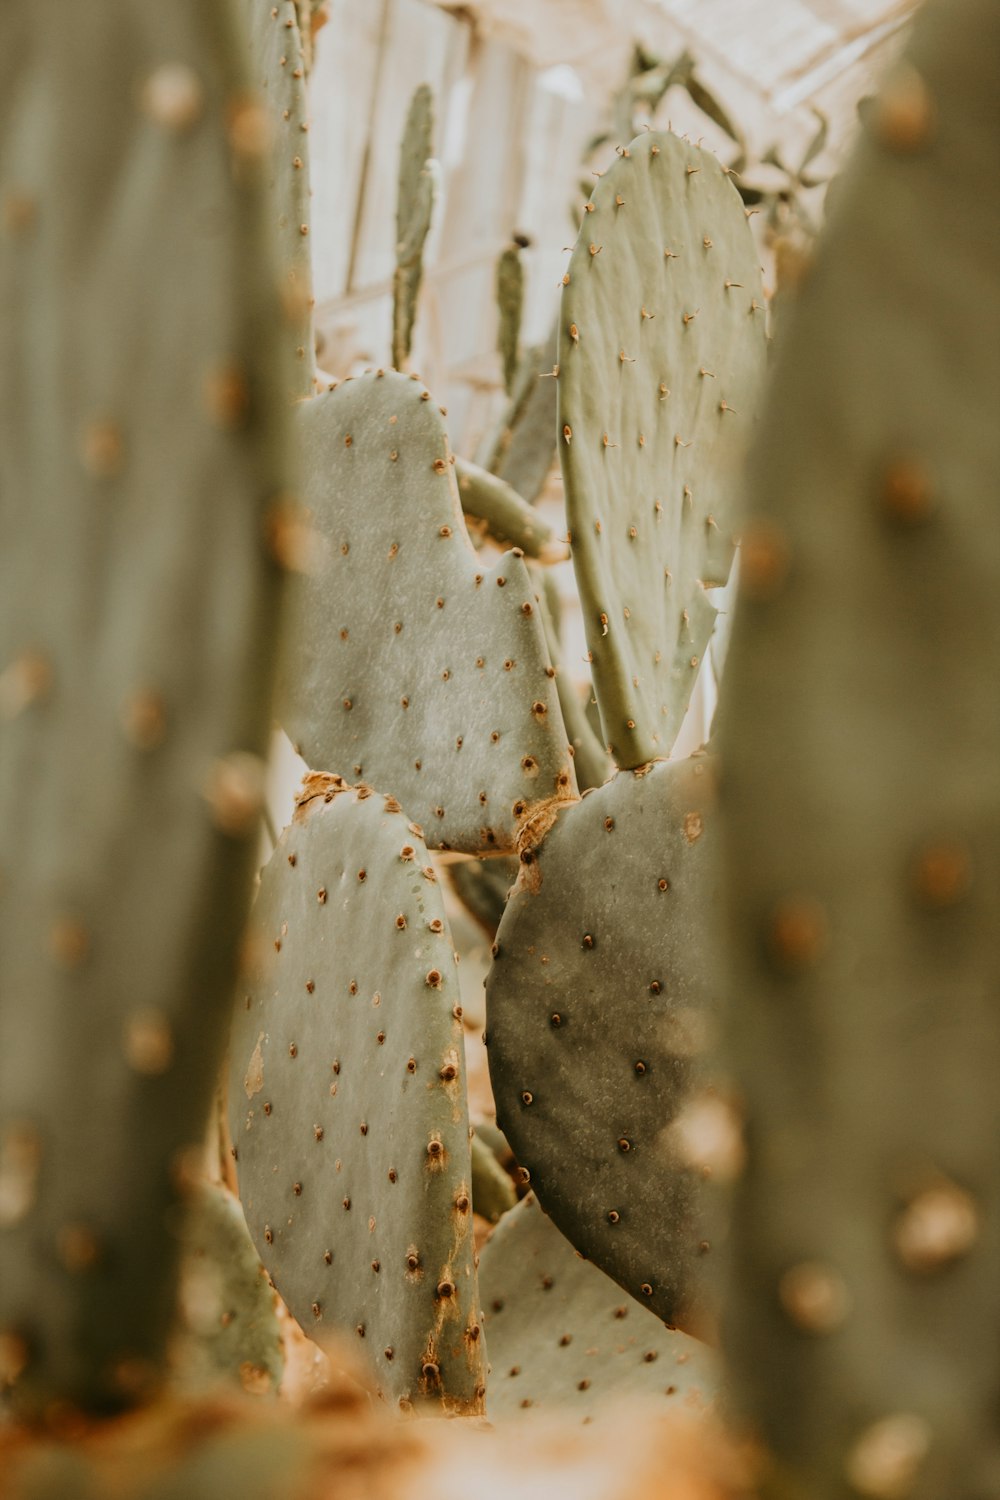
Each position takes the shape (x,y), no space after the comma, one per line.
(591,763)
(278,63)
(662,352)
(507,518)
(510,302)
(347,1097)
(228,1326)
(521,448)
(183,1450)
(562,1336)
(862,817)
(482,885)
(492,1188)
(143,448)
(598,1009)
(416,194)
(409,665)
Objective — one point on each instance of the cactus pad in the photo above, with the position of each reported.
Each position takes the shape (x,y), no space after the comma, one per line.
(278,62)
(416,194)
(142,452)
(661,357)
(862,814)
(507,518)
(228,1324)
(521,448)
(592,764)
(492,1188)
(561,1334)
(510,304)
(347,1097)
(482,885)
(597,1013)
(410,665)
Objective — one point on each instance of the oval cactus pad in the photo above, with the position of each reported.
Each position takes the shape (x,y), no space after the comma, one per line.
(347,1096)
(410,664)
(562,1335)
(662,350)
(597,1014)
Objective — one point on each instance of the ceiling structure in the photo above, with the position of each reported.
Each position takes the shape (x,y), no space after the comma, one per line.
(771,60)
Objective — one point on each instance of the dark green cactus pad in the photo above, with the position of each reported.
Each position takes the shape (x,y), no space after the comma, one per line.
(228,1325)
(409,664)
(278,62)
(862,815)
(561,1335)
(507,518)
(598,1010)
(662,352)
(142,451)
(347,1097)
(416,194)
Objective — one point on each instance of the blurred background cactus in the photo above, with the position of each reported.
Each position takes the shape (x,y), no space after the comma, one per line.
(512,1119)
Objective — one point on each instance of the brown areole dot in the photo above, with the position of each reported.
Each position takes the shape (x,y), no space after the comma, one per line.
(942,873)
(797,933)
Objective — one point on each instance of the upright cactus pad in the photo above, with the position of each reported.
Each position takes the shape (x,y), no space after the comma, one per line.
(862,804)
(482,885)
(415,199)
(521,448)
(228,1326)
(598,1010)
(510,303)
(562,1336)
(592,764)
(278,61)
(410,665)
(142,450)
(347,1097)
(661,359)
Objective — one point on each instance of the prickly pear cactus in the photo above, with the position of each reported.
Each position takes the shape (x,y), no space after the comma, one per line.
(661,358)
(278,62)
(227,1321)
(562,1336)
(492,1188)
(521,448)
(193,1452)
(862,812)
(599,1007)
(347,1097)
(510,301)
(482,885)
(416,194)
(141,452)
(592,764)
(409,664)
(507,518)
